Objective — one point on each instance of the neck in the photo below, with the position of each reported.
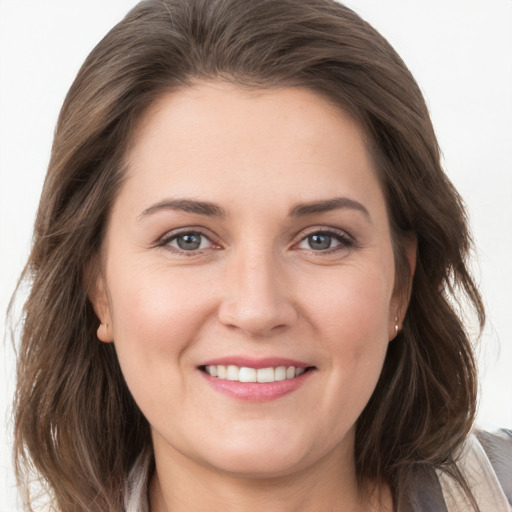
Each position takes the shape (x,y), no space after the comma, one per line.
(331,485)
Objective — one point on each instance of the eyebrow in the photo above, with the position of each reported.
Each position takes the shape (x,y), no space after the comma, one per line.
(304,209)
(213,210)
(185,205)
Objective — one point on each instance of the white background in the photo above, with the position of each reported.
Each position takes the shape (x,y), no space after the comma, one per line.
(460,52)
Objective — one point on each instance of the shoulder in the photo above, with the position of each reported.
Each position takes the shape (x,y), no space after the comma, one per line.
(485,461)
(497,446)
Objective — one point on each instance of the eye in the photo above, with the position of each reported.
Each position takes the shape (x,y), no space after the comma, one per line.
(187,241)
(325,241)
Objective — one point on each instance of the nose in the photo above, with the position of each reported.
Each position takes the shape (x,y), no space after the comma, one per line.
(257,299)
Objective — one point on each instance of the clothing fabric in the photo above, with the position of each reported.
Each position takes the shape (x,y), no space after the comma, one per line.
(485,460)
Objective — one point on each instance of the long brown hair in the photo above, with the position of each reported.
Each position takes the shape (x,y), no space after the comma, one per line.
(76,425)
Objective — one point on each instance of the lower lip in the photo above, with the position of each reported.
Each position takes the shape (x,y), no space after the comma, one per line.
(256,391)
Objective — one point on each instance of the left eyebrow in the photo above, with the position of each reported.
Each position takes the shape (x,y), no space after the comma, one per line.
(326,205)
(185,205)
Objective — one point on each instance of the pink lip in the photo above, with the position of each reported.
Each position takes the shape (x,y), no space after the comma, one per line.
(255,391)
(265,362)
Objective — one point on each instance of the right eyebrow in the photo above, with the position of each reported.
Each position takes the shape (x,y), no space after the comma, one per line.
(185,205)
(326,205)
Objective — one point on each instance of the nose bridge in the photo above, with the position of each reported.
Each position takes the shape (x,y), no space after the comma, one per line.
(256,298)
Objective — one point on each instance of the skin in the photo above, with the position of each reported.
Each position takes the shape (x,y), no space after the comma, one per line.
(255,287)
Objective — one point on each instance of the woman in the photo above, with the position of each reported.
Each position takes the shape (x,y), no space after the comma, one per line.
(243,270)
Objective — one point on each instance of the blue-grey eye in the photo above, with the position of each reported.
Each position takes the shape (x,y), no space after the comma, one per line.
(319,241)
(325,241)
(188,241)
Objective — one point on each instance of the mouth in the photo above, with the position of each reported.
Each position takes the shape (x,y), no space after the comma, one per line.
(254,375)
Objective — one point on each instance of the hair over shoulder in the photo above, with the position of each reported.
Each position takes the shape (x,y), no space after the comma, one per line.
(77,427)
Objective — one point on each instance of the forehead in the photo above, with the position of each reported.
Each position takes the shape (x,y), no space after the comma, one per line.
(238,112)
(282,142)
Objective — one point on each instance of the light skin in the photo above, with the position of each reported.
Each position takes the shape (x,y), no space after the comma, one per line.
(251,224)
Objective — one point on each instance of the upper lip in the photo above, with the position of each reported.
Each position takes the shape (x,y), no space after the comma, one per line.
(261,362)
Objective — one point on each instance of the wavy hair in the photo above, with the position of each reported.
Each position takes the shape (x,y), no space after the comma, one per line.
(77,427)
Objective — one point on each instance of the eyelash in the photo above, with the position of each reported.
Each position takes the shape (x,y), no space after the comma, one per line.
(344,241)
(166,240)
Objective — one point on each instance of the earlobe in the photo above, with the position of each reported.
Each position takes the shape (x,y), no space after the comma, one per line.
(394,328)
(104,333)
(403,290)
(101,306)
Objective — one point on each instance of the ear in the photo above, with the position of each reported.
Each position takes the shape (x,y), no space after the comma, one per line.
(411,252)
(403,284)
(98,295)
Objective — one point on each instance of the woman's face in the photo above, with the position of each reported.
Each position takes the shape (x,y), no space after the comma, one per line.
(252,233)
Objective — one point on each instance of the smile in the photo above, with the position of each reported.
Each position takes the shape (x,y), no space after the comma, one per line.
(247,374)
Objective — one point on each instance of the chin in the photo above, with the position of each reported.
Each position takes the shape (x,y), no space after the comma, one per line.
(262,457)
(258,465)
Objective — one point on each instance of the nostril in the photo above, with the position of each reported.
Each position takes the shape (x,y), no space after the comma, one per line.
(257,319)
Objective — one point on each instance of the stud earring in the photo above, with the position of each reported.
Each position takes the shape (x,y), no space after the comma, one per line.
(396,325)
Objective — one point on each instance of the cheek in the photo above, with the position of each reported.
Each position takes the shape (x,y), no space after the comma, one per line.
(353,323)
(156,316)
(155,308)
(352,308)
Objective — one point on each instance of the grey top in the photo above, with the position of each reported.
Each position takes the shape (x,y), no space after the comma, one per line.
(485,461)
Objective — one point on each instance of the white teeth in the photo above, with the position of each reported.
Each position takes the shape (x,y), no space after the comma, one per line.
(265,375)
(232,372)
(221,371)
(245,374)
(280,373)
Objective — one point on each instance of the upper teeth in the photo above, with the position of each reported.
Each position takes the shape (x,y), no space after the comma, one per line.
(245,374)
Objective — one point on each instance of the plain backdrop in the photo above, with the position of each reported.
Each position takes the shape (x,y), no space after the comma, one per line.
(460,52)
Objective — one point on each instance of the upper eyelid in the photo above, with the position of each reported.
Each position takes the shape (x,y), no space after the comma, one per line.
(174,233)
(328,230)
(187,229)
(345,239)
